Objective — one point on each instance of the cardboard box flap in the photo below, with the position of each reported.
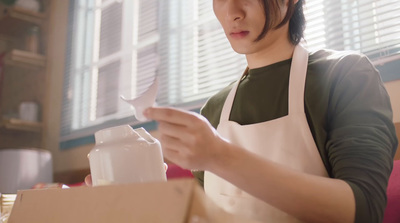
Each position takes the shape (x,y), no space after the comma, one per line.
(147,202)
(204,210)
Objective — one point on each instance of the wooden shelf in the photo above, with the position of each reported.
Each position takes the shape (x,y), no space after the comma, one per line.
(24,73)
(6,43)
(21,125)
(15,21)
(24,59)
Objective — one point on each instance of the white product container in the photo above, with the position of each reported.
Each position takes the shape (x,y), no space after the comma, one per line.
(124,155)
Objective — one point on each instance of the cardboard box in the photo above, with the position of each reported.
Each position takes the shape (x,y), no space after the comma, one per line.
(175,201)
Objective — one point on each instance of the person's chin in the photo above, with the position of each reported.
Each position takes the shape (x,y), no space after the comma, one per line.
(240,46)
(240,49)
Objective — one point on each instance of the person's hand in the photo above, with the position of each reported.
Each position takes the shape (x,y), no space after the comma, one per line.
(88,178)
(187,138)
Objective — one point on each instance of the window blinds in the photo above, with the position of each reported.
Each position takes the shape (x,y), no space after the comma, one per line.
(117,47)
(368,26)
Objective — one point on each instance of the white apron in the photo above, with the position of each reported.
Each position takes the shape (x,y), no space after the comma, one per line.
(286,140)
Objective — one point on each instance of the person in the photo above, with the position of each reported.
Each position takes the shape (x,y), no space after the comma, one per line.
(300,137)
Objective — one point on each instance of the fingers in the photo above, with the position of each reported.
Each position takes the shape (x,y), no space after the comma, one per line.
(173,130)
(170,129)
(88,180)
(170,115)
(171,147)
(185,136)
(165,167)
(177,128)
(170,143)
(171,155)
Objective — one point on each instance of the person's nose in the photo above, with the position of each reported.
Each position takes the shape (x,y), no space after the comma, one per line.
(234,10)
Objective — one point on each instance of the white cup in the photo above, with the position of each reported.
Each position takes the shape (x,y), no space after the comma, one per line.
(123,155)
(29,111)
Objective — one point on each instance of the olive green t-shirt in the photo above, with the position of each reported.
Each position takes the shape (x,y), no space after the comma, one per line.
(348,111)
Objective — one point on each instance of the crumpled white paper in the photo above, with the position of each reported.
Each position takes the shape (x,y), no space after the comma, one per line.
(145,100)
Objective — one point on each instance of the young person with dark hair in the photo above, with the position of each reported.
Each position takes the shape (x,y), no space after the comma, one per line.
(300,137)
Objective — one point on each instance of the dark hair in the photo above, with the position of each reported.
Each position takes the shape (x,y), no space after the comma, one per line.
(294,16)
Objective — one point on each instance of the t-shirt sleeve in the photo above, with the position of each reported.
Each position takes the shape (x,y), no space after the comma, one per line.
(361,136)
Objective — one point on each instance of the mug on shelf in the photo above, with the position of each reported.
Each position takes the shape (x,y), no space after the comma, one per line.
(29,111)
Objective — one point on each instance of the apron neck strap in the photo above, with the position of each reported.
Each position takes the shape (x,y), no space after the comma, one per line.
(226,109)
(297,80)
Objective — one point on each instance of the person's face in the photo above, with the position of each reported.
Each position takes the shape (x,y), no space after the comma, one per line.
(243,21)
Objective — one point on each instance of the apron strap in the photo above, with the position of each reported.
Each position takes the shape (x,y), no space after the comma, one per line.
(297,80)
(296,84)
(226,109)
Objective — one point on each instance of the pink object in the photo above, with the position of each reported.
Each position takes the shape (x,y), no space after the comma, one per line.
(79,184)
(175,171)
(392,212)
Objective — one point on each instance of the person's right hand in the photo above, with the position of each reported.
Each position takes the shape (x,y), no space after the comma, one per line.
(188,139)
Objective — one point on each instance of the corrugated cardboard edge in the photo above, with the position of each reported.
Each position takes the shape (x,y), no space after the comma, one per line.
(147,202)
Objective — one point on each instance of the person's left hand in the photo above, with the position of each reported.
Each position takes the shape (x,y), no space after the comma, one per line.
(187,138)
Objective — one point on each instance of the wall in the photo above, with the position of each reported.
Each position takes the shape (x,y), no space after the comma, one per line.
(74,158)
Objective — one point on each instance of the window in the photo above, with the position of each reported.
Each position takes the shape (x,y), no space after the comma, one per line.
(117,47)
(368,26)
(110,43)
